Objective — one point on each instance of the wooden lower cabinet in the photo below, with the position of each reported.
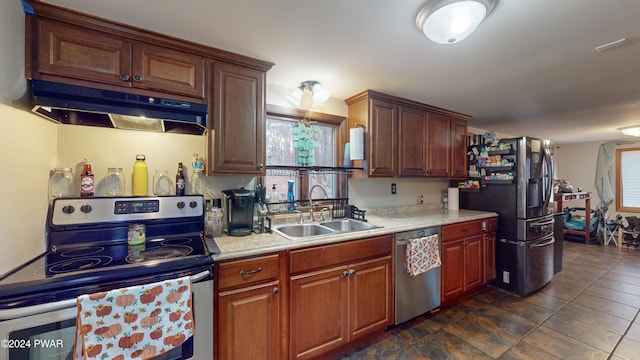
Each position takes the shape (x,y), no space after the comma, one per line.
(333,306)
(249,323)
(490,256)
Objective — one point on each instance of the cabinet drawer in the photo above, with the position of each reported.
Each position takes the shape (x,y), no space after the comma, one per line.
(461,230)
(339,254)
(248,271)
(492,225)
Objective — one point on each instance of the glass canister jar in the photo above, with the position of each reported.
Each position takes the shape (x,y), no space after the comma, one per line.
(162,184)
(114,182)
(197,182)
(213,225)
(61,183)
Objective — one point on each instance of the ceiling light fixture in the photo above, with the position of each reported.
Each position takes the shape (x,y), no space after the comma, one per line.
(631,130)
(308,93)
(451,21)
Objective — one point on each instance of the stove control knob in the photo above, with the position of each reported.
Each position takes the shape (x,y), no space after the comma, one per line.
(193,204)
(180,204)
(86,208)
(68,209)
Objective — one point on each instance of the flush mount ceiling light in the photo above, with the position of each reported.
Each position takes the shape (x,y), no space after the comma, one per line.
(451,21)
(631,130)
(308,93)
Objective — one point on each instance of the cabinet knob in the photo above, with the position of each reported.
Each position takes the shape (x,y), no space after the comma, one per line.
(137,78)
(260,166)
(276,290)
(352,272)
(124,77)
(345,273)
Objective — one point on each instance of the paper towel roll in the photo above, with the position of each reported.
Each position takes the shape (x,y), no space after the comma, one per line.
(356,143)
(454,198)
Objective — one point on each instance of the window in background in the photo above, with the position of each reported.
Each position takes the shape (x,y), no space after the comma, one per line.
(281,151)
(628,180)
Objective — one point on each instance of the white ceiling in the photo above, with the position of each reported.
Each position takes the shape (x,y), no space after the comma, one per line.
(529,69)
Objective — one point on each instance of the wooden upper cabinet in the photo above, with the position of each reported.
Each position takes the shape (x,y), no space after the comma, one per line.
(407,138)
(383,134)
(438,146)
(81,56)
(458,148)
(412,147)
(237,120)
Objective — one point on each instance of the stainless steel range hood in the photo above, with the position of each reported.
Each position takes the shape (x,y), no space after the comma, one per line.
(78,105)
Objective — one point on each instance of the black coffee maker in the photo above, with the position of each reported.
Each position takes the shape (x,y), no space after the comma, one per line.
(238,208)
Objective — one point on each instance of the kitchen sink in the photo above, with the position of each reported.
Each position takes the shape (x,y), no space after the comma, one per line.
(347,225)
(305,231)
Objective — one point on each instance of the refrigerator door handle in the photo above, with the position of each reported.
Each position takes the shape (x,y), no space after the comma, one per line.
(547,243)
(547,192)
(539,224)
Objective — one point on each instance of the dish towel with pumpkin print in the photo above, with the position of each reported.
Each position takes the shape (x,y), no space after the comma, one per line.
(422,254)
(139,322)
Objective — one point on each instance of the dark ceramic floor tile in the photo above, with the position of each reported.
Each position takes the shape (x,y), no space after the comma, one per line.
(491,294)
(628,349)
(482,333)
(577,276)
(408,353)
(378,348)
(524,308)
(564,291)
(545,300)
(592,335)
(448,315)
(524,351)
(507,321)
(633,332)
(442,345)
(629,279)
(613,295)
(618,286)
(416,329)
(595,318)
(607,306)
(562,346)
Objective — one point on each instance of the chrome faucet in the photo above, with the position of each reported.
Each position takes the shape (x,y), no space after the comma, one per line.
(310,201)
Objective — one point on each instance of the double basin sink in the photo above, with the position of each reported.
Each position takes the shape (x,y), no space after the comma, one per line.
(324,228)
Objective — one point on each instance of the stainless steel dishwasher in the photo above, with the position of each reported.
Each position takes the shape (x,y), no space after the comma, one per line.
(415,295)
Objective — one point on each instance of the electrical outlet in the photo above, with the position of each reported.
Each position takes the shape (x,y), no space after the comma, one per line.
(393,188)
(420,199)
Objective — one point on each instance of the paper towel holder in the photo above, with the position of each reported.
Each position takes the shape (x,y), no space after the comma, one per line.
(358,154)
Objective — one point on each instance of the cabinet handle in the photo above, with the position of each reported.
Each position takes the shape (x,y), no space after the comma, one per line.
(276,290)
(345,273)
(137,78)
(260,166)
(242,272)
(124,77)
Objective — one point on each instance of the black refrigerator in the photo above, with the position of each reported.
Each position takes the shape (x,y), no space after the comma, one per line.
(516,177)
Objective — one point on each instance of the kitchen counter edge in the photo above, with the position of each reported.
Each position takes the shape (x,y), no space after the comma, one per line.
(232,247)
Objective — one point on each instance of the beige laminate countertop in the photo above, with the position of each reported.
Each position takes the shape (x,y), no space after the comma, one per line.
(256,244)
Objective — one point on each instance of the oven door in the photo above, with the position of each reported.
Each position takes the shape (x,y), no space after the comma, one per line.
(49,333)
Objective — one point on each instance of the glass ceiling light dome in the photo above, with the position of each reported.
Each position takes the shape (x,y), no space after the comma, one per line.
(451,21)
(631,130)
(308,93)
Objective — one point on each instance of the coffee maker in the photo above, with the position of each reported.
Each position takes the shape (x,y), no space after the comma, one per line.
(238,207)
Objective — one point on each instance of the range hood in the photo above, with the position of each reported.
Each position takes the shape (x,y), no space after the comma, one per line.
(79,105)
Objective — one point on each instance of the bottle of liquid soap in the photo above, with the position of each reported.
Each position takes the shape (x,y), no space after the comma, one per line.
(86,180)
(180,181)
(140,177)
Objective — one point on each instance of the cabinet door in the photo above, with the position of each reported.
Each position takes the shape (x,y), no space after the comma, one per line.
(452,269)
(78,53)
(318,312)
(249,323)
(237,142)
(438,145)
(458,148)
(167,70)
(383,134)
(473,262)
(489,256)
(413,136)
(370,297)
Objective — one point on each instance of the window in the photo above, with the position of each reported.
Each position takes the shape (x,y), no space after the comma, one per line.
(628,180)
(281,150)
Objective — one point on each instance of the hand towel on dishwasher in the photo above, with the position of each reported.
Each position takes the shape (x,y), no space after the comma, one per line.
(422,254)
(135,322)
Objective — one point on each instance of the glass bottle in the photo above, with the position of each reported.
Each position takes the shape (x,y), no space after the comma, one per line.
(140,177)
(180,182)
(86,180)
(290,196)
(61,183)
(114,182)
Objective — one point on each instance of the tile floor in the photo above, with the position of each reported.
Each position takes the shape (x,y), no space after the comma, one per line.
(588,311)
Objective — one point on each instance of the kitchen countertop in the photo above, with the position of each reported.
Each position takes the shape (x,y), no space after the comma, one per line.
(257,244)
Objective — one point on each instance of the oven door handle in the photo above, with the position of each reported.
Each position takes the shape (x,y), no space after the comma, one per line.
(9,314)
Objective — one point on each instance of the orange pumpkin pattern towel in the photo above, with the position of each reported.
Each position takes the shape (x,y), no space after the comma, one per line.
(139,322)
(422,254)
